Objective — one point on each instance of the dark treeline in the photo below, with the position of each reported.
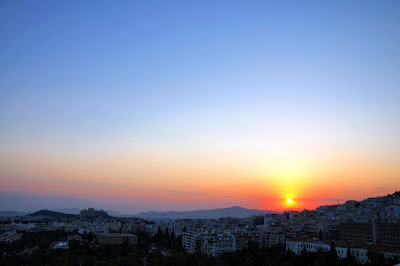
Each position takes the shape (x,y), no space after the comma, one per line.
(35,239)
(254,255)
(167,240)
(153,250)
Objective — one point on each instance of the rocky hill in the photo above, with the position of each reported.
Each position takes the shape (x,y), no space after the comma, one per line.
(92,213)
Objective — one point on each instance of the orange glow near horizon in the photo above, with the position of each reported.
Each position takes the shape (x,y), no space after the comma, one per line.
(213,183)
(173,112)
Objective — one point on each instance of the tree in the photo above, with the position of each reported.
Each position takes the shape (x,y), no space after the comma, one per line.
(159,233)
(90,236)
(44,242)
(131,260)
(375,257)
(350,259)
(332,254)
(252,247)
(156,258)
(74,245)
(167,233)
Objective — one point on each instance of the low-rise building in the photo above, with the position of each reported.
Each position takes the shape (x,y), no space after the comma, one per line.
(357,249)
(61,245)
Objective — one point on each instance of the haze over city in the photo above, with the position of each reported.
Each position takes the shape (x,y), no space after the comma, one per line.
(138,106)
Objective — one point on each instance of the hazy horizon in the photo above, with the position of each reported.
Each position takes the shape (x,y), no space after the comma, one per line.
(41,203)
(136,106)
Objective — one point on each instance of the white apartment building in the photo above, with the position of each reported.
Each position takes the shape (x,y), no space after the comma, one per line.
(189,240)
(176,229)
(218,244)
(359,251)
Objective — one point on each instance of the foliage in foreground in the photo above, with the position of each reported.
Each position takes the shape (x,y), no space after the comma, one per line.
(134,255)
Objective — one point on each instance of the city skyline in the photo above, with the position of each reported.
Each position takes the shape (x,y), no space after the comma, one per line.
(186,106)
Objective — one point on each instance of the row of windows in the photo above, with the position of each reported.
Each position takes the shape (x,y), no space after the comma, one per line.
(341,252)
(222,246)
(289,244)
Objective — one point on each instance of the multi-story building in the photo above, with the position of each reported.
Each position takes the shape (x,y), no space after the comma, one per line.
(243,237)
(43,227)
(7,227)
(289,215)
(295,232)
(269,239)
(218,244)
(176,229)
(371,232)
(362,231)
(150,229)
(9,237)
(189,239)
(389,233)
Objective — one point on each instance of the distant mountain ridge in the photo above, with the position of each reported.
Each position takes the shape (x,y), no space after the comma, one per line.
(237,212)
(12,213)
(234,212)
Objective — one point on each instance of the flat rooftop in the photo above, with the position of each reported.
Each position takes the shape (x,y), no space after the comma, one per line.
(116,234)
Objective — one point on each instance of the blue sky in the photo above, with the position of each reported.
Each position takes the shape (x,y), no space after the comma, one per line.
(82,78)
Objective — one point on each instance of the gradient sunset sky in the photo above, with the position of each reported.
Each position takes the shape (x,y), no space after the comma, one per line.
(182,105)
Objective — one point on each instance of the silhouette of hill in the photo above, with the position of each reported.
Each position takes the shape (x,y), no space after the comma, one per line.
(234,212)
(52,214)
(77,211)
(68,211)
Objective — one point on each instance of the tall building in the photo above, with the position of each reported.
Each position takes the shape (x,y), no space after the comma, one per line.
(390,234)
(362,231)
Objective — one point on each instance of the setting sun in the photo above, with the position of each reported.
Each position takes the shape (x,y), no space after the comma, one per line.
(289,200)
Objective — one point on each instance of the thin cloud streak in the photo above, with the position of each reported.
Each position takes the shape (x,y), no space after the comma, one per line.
(180,192)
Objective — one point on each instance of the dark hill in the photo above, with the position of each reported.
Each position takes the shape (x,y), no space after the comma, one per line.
(52,214)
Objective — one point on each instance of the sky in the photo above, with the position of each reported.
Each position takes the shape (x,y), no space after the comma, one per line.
(185,105)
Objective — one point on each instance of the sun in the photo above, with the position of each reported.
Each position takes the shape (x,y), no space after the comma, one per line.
(289,200)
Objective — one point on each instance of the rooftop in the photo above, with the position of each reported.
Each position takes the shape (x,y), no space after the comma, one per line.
(116,234)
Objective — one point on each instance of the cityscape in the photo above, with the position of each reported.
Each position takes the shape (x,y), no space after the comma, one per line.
(199,133)
(358,232)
